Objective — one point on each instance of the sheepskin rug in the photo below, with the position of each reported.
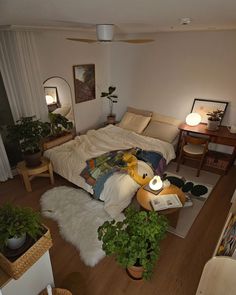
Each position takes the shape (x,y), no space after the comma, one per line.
(78,217)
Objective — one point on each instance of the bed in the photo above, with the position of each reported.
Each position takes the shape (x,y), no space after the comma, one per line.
(69,160)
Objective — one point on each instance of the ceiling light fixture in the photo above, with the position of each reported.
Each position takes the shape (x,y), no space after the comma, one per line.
(185,21)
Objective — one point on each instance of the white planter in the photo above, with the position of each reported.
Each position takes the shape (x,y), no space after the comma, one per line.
(213,125)
(15,243)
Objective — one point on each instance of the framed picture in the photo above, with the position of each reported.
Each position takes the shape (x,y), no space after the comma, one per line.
(204,106)
(84,82)
(51,95)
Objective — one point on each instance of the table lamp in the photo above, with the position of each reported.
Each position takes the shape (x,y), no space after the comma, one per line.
(193,119)
(155,183)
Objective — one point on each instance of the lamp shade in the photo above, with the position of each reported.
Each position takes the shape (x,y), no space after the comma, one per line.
(155,183)
(193,119)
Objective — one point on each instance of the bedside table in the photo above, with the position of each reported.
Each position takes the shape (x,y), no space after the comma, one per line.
(144,197)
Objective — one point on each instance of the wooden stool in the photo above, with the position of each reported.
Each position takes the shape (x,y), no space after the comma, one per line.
(29,173)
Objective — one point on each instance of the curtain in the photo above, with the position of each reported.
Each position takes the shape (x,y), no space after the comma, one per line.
(5,169)
(20,70)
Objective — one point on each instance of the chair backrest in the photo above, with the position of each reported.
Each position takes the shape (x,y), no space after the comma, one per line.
(195,140)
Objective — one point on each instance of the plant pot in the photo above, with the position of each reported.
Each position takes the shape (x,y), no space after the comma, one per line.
(213,125)
(135,272)
(33,160)
(15,242)
(111,119)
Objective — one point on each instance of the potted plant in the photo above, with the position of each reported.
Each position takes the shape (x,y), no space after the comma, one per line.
(17,222)
(29,133)
(135,241)
(60,131)
(111,118)
(214,119)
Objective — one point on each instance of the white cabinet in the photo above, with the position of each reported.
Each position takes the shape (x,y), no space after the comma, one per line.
(34,280)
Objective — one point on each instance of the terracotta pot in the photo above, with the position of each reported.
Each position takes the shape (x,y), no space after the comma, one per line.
(33,160)
(213,125)
(111,119)
(135,272)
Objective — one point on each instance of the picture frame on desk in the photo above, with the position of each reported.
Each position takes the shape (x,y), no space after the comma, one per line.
(204,106)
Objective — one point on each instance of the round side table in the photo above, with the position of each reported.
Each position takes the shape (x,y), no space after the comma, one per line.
(29,173)
(144,197)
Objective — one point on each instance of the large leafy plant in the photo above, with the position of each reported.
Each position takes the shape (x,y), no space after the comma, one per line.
(135,240)
(113,98)
(28,131)
(58,124)
(216,115)
(16,221)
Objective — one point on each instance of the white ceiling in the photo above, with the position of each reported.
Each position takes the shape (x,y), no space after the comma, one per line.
(131,16)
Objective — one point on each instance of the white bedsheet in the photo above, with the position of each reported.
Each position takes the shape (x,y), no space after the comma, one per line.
(69,160)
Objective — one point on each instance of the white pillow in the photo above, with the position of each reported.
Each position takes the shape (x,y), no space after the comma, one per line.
(62,111)
(162,131)
(134,122)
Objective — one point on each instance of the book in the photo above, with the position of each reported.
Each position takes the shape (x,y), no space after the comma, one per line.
(163,202)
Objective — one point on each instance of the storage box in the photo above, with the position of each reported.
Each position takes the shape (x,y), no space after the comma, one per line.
(19,266)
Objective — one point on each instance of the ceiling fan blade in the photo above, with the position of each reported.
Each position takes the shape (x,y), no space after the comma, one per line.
(136,41)
(82,40)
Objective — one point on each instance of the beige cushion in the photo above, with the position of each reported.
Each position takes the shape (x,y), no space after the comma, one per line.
(64,110)
(134,122)
(162,131)
(194,149)
(166,119)
(139,112)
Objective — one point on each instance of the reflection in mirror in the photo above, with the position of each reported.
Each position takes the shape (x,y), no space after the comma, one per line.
(58,97)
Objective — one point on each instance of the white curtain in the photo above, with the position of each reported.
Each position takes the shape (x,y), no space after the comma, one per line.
(20,70)
(5,169)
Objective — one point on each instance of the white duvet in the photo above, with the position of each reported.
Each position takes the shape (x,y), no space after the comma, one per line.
(69,160)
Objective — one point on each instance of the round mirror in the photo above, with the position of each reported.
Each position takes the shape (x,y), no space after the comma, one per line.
(58,97)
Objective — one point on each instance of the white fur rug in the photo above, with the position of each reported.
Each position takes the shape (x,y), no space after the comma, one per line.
(78,217)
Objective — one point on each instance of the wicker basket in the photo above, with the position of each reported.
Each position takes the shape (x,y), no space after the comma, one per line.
(16,268)
(57,291)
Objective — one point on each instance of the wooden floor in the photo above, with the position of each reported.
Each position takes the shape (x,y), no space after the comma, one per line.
(182,260)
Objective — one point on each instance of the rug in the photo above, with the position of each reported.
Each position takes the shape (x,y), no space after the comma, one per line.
(78,217)
(188,215)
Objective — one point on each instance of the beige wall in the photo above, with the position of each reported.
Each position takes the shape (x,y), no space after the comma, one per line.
(57,56)
(166,76)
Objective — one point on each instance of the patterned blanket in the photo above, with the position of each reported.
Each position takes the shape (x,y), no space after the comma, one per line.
(99,169)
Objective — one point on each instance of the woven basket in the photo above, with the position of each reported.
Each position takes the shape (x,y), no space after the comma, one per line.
(16,268)
(57,291)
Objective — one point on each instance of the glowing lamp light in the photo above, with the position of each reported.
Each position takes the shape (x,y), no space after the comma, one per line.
(155,183)
(193,119)
(50,99)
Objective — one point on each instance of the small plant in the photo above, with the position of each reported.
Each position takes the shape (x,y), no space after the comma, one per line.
(135,240)
(16,221)
(215,115)
(113,98)
(58,124)
(28,132)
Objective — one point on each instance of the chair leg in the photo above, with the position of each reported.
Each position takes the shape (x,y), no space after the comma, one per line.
(178,163)
(200,166)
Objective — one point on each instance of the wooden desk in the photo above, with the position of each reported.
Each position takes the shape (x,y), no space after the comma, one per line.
(221,136)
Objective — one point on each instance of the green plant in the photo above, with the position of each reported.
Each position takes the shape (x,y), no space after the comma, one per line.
(28,132)
(58,124)
(16,221)
(215,115)
(113,98)
(135,240)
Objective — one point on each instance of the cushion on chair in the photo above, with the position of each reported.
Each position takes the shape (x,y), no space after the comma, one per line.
(193,149)
(134,122)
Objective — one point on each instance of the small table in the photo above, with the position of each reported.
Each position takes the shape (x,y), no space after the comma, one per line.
(144,197)
(29,173)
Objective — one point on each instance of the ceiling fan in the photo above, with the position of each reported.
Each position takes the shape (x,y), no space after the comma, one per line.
(105,33)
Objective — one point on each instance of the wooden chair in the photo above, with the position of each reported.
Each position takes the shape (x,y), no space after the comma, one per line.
(193,148)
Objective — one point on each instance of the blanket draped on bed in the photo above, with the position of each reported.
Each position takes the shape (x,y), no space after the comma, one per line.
(99,169)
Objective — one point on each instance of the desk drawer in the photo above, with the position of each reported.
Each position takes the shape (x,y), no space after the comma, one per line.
(224,140)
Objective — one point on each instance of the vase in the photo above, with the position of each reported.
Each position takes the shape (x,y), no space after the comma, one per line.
(15,242)
(135,272)
(111,119)
(33,160)
(213,125)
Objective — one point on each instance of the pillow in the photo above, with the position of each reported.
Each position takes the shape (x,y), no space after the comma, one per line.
(162,131)
(139,112)
(166,119)
(133,122)
(62,111)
